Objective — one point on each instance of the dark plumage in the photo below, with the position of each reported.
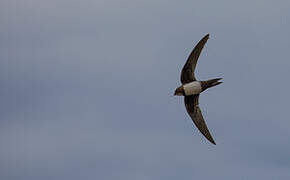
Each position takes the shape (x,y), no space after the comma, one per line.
(191,88)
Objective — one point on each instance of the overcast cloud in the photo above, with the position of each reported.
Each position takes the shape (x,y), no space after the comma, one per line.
(87,90)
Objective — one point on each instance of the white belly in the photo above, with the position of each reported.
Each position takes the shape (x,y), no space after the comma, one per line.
(192,88)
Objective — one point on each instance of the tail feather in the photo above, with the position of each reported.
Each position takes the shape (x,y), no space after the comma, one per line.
(211,83)
(215,83)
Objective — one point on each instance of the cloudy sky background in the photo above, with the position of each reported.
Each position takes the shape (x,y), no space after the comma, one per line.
(87,89)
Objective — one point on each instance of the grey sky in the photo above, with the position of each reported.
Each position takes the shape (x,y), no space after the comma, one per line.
(87,90)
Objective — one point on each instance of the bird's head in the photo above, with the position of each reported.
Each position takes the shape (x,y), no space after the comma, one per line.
(179,91)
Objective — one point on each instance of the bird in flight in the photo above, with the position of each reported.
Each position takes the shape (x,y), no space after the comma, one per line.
(191,88)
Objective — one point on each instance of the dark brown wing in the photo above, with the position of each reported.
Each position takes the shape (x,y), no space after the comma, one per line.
(192,107)
(187,73)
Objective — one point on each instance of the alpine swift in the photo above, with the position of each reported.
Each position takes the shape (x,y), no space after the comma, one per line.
(191,88)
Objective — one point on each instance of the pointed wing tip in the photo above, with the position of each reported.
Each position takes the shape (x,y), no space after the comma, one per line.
(210,139)
(213,142)
(205,38)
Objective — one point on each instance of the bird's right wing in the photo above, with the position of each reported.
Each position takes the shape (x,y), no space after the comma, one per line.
(187,73)
(192,107)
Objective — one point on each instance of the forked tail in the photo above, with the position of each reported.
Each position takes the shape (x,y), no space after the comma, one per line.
(210,83)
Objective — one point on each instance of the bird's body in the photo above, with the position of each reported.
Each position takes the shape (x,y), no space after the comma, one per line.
(191,88)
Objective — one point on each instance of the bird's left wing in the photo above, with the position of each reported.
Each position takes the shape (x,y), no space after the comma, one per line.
(187,73)
(192,107)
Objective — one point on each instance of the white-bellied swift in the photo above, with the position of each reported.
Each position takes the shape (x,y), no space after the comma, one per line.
(191,88)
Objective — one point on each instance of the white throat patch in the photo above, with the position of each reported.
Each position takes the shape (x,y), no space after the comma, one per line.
(192,88)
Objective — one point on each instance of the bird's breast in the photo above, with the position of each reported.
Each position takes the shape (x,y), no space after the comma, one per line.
(192,88)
